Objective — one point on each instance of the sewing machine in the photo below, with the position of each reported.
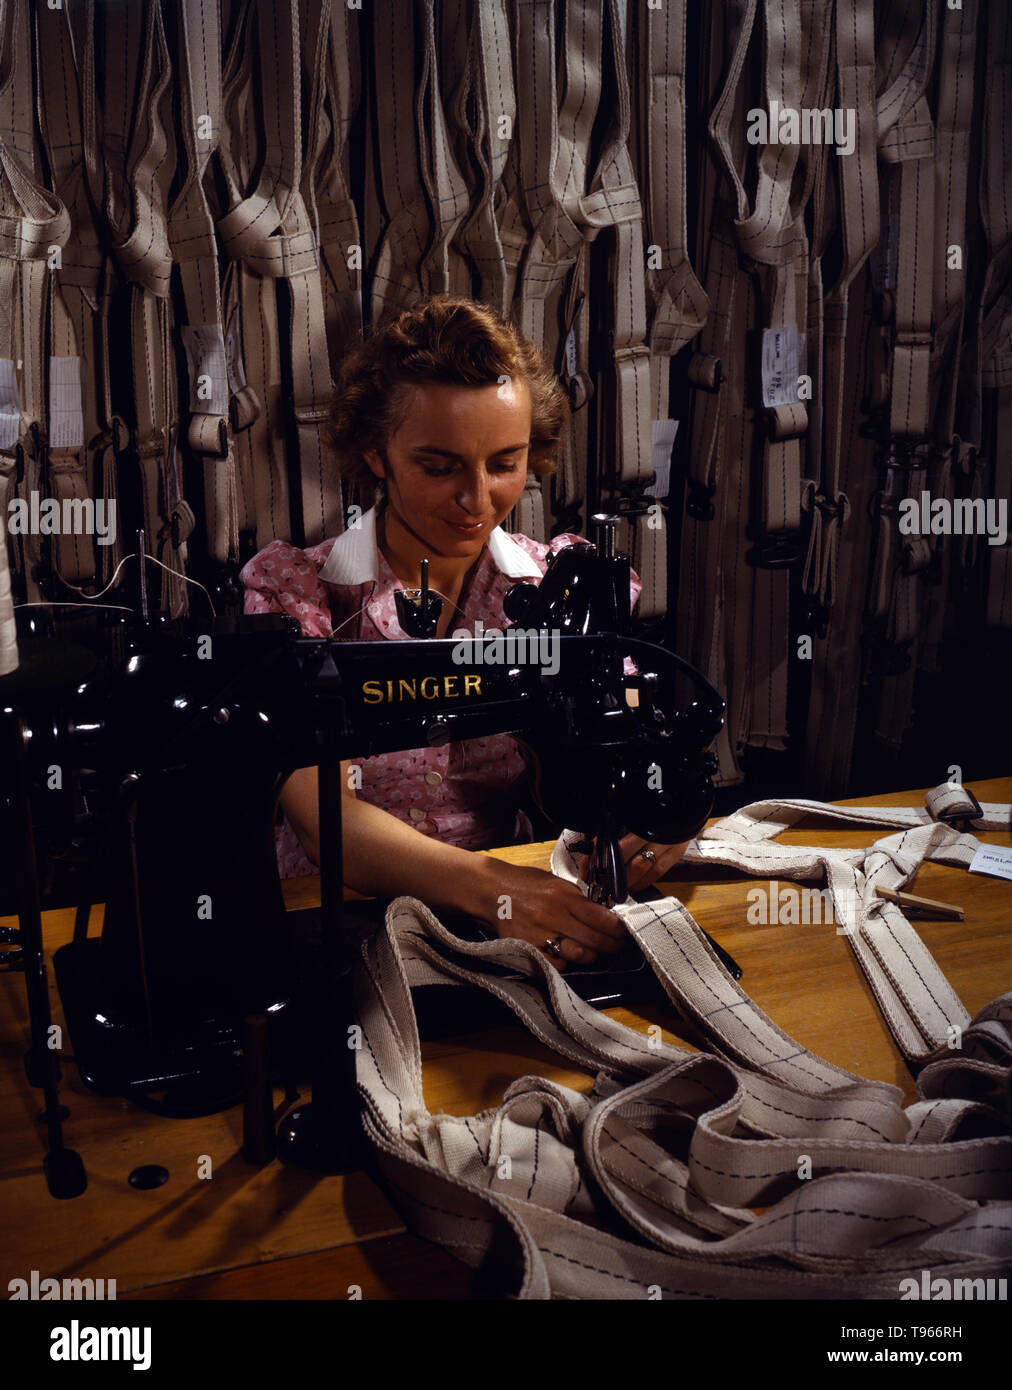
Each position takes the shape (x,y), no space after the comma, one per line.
(146,766)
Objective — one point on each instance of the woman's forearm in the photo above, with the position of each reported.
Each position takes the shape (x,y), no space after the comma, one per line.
(383,857)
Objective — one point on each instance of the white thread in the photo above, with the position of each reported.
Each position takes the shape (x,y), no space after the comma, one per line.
(150,559)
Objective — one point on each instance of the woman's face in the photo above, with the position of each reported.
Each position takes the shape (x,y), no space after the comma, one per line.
(458,463)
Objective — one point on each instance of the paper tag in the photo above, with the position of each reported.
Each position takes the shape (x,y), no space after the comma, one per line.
(66,407)
(205,356)
(10,405)
(664,432)
(780,365)
(571,352)
(995,860)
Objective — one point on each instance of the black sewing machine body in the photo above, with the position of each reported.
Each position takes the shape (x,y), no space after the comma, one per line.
(172,742)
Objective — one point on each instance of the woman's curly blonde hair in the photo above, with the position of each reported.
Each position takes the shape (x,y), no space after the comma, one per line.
(451,340)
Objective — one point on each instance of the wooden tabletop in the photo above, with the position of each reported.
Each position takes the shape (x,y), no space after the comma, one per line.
(282,1233)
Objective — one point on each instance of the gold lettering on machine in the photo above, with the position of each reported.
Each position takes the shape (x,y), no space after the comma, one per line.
(420,688)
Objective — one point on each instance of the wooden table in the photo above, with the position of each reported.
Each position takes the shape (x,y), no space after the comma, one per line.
(281,1233)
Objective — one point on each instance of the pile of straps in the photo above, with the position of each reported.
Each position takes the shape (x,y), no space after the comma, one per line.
(204,203)
(646,1187)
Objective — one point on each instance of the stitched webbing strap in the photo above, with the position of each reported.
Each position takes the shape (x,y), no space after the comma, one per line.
(893,1190)
(995,318)
(73,301)
(195,251)
(8,627)
(31,219)
(129,163)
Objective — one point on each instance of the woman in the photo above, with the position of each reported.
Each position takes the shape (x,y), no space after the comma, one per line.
(443,410)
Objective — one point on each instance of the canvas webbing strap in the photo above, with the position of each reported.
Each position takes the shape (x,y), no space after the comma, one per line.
(548,171)
(677,305)
(615,185)
(857,178)
(582,80)
(906,137)
(327,192)
(995,316)
(408,230)
(31,221)
(953,121)
(195,252)
(714,605)
(892,1190)
(678,302)
(129,162)
(73,301)
(491,73)
(270,232)
(250,313)
(444,270)
(8,626)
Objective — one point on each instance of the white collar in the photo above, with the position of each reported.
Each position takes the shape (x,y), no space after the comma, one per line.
(354,556)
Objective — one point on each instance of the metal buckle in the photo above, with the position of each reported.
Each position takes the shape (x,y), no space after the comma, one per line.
(960,819)
(774,553)
(698,503)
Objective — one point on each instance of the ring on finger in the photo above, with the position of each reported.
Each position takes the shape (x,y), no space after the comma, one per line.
(552,946)
(648,855)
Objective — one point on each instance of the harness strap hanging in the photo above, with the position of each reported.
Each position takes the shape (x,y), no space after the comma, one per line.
(130,162)
(73,300)
(906,137)
(715,600)
(632,373)
(995,313)
(250,313)
(408,231)
(31,221)
(582,82)
(490,62)
(444,269)
(913,1192)
(956,72)
(554,242)
(677,305)
(195,252)
(271,233)
(327,193)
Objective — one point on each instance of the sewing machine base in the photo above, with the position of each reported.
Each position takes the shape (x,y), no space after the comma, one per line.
(200,1068)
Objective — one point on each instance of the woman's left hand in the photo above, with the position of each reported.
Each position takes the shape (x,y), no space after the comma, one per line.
(647,862)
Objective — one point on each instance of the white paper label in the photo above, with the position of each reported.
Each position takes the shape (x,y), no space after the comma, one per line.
(995,860)
(205,356)
(780,365)
(66,408)
(10,405)
(664,432)
(571,352)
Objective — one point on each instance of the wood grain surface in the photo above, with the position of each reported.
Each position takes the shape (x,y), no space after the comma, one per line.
(282,1233)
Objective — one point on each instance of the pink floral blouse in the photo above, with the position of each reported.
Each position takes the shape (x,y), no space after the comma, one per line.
(464,792)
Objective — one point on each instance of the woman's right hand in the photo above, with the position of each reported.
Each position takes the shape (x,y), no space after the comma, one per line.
(542,907)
